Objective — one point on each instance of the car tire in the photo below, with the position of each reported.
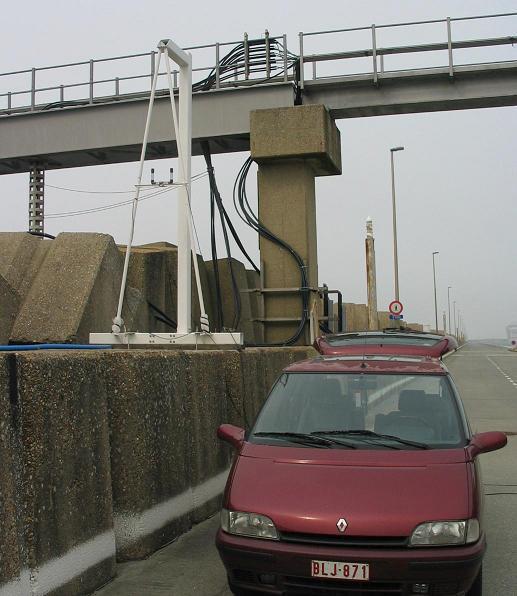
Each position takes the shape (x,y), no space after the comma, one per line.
(477,586)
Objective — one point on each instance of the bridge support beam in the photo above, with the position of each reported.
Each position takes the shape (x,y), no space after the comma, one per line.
(291,146)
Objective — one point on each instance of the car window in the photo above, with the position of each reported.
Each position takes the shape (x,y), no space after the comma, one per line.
(419,408)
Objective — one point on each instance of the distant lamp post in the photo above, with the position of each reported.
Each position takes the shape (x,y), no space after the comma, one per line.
(454,311)
(435,301)
(394,207)
(449,288)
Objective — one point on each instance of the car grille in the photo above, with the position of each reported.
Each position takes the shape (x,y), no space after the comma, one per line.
(305,586)
(346,541)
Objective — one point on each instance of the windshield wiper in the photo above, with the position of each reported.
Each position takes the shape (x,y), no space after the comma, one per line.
(308,439)
(373,435)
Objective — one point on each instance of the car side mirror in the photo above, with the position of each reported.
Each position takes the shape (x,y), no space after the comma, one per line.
(486,442)
(233,435)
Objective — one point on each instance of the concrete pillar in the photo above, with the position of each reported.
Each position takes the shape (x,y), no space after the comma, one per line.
(291,146)
(371,277)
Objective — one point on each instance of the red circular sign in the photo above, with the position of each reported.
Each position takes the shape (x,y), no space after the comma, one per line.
(396,307)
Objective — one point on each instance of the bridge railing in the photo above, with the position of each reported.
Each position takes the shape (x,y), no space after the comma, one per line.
(242,62)
(372,56)
(262,61)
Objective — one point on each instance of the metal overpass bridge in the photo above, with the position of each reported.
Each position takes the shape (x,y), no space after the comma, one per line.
(93,112)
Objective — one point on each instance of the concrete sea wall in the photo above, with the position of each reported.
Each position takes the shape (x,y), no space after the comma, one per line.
(109,455)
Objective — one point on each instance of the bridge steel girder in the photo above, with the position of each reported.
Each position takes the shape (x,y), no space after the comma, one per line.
(407,92)
(112,132)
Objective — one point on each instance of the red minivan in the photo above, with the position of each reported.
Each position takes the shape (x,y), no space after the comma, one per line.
(389,341)
(359,476)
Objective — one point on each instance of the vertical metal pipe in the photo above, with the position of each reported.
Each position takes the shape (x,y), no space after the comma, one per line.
(371,277)
(455,329)
(444,322)
(394,216)
(449,46)
(9,100)
(302,79)
(217,72)
(268,60)
(435,300)
(381,58)
(117,86)
(314,74)
(91,81)
(61,93)
(449,305)
(153,64)
(284,37)
(374,56)
(33,88)
(246,58)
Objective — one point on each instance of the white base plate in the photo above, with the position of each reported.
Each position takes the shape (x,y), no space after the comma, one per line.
(183,339)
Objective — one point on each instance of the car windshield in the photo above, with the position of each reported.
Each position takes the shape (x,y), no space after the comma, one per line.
(365,411)
(386,340)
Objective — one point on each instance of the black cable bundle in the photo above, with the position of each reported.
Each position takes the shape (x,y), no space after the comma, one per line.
(217,202)
(260,52)
(243,208)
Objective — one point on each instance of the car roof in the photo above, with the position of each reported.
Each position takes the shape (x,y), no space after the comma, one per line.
(383,364)
(386,332)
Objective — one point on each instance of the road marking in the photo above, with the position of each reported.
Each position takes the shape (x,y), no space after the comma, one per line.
(505,375)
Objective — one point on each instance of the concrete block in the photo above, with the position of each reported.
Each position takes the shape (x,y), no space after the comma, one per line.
(153,271)
(66,493)
(13,576)
(356,317)
(384,320)
(215,400)
(415,326)
(74,292)
(21,255)
(227,295)
(9,306)
(306,132)
(256,305)
(150,424)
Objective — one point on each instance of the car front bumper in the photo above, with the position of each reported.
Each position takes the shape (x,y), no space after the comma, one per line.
(283,568)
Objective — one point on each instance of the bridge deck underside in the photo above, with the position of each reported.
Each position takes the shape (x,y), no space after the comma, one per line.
(112,132)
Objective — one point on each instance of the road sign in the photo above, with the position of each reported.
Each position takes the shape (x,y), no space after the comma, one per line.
(396,317)
(396,307)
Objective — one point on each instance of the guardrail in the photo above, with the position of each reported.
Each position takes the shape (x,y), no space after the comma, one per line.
(255,61)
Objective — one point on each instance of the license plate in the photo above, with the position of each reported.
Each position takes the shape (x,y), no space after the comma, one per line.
(359,572)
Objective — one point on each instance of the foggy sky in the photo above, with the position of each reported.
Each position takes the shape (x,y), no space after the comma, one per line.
(456,184)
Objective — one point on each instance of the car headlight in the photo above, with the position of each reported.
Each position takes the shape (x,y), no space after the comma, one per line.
(445,533)
(253,525)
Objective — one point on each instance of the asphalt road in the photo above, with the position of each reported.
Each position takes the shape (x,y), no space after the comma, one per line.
(486,377)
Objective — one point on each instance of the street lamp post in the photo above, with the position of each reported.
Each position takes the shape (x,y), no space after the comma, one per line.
(435,301)
(449,304)
(395,251)
(454,311)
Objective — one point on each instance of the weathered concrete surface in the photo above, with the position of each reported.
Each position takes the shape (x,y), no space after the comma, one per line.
(21,255)
(306,132)
(227,295)
(356,317)
(9,305)
(255,305)
(12,556)
(74,292)
(153,271)
(164,409)
(291,146)
(66,493)
(150,416)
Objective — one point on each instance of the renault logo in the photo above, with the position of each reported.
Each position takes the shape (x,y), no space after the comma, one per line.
(341,524)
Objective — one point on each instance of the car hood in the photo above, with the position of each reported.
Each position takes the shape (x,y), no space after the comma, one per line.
(379,493)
